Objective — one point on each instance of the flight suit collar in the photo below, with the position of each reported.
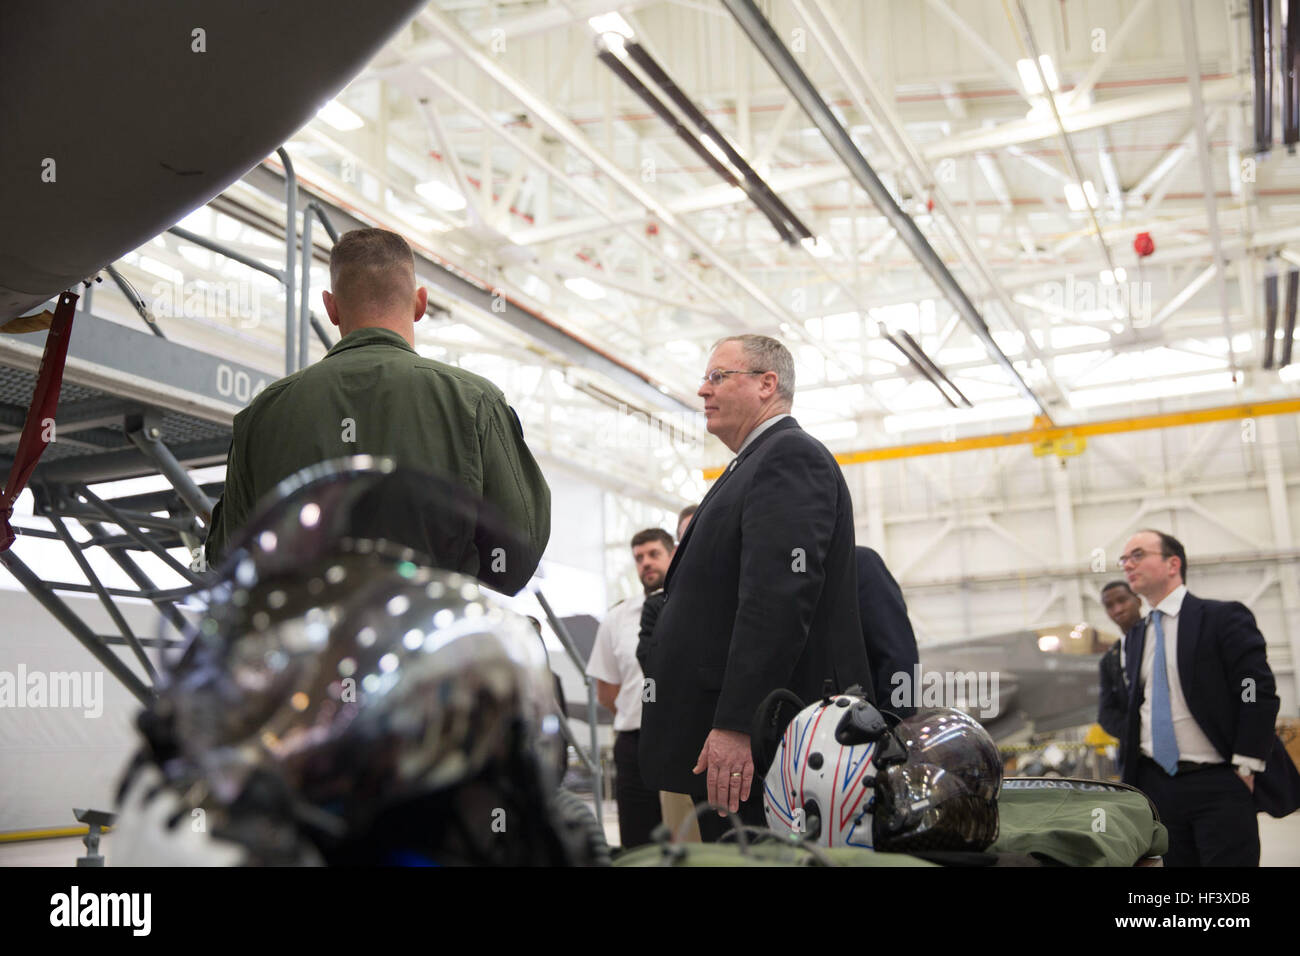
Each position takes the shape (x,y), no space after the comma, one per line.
(359,338)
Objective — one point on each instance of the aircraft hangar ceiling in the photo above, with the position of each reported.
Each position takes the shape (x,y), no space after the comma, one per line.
(638,176)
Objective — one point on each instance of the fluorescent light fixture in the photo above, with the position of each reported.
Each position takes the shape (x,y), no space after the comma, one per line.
(612,23)
(1106,276)
(1049,71)
(614,43)
(413,216)
(339,116)
(1029,76)
(585,287)
(1120,274)
(712,146)
(441,195)
(161,269)
(819,247)
(421,223)
(537,289)
(1075,197)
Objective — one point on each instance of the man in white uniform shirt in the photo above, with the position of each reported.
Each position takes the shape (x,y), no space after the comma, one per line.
(620,687)
(1202,701)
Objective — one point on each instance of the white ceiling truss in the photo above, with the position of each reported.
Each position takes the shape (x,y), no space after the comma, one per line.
(583,204)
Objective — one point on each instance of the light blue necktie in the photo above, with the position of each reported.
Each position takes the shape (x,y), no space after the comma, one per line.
(1164,746)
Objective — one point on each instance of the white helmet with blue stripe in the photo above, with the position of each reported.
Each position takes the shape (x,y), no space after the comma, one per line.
(821,781)
(837,775)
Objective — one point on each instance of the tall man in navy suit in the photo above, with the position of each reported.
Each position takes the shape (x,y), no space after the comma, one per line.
(761,592)
(1199,737)
(890,640)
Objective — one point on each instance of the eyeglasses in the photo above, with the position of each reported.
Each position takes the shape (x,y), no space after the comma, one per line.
(1133,557)
(716,377)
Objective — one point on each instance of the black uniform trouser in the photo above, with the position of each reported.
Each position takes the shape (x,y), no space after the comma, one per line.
(1209,812)
(638,805)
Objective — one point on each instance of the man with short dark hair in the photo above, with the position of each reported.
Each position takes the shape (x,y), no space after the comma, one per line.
(620,686)
(1125,609)
(1198,739)
(654,602)
(761,593)
(373,394)
(684,518)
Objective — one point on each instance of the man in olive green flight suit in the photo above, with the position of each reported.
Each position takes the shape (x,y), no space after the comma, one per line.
(373,394)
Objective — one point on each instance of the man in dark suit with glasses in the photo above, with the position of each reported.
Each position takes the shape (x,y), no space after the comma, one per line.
(1199,737)
(761,593)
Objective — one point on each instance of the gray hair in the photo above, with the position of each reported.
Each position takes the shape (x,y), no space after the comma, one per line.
(767,354)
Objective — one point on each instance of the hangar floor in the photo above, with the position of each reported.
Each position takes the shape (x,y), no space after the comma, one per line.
(1279,840)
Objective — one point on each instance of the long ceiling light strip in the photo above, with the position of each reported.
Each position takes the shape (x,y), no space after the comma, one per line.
(652,68)
(618,45)
(925,359)
(729,176)
(916,363)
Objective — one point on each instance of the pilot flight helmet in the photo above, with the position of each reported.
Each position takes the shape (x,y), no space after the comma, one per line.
(841,777)
(944,797)
(346,700)
(820,781)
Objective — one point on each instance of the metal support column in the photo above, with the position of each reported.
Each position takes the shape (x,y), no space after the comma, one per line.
(147,437)
(1283,541)
(290,256)
(1067,549)
(598,778)
(304,299)
(308,320)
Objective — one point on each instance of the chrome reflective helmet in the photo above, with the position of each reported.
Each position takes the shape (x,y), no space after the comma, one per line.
(945,797)
(344,702)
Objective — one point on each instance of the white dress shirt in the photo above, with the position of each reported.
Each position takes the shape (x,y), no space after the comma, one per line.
(758,430)
(613,660)
(1192,743)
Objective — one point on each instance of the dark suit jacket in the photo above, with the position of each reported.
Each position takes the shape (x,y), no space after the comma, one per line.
(890,640)
(760,596)
(654,603)
(1112,706)
(1219,649)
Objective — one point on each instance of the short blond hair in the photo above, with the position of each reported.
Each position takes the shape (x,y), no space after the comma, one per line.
(372,269)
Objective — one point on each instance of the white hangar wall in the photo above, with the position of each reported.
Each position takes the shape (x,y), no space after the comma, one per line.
(993,540)
(54,758)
